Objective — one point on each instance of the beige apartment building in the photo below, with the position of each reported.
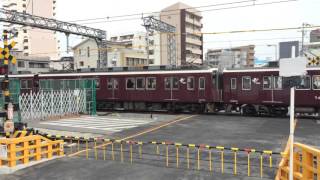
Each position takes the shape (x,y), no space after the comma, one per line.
(235,57)
(121,52)
(189,40)
(33,41)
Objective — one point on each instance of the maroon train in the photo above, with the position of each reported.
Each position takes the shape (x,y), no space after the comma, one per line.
(249,91)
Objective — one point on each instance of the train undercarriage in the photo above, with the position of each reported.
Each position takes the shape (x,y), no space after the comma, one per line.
(201,108)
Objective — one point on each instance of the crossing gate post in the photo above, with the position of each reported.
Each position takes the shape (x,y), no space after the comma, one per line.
(31,103)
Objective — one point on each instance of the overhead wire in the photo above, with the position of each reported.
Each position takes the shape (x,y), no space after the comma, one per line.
(208,10)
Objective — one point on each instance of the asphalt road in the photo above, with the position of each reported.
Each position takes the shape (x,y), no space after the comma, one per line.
(228,131)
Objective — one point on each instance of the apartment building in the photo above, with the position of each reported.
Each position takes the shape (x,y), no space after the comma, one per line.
(138,41)
(189,40)
(122,51)
(30,41)
(236,57)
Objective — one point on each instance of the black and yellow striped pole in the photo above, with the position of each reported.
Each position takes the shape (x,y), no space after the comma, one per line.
(6,56)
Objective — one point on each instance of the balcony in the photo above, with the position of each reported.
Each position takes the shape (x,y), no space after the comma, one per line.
(193,31)
(193,21)
(193,41)
(194,50)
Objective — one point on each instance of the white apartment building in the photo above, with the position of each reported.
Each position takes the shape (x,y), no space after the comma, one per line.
(189,40)
(33,41)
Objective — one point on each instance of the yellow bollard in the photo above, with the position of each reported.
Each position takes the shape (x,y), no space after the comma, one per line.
(112,150)
(78,145)
(140,149)
(158,151)
(188,154)
(210,160)
(104,152)
(198,158)
(95,150)
(131,153)
(270,157)
(235,150)
(121,152)
(222,157)
(167,155)
(261,165)
(87,152)
(177,153)
(248,163)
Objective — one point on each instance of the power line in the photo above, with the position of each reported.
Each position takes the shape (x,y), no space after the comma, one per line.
(208,10)
(150,13)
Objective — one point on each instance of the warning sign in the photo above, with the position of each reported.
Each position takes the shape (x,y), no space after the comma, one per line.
(3,152)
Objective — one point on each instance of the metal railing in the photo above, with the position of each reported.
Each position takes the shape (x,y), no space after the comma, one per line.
(22,150)
(306,164)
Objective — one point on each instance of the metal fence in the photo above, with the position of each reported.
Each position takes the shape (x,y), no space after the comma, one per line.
(52,104)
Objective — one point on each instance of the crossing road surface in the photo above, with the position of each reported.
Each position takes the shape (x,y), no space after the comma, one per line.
(110,124)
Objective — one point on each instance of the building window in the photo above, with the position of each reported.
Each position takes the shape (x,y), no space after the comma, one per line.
(140,83)
(246,83)
(81,63)
(26,84)
(130,83)
(316,82)
(171,83)
(277,82)
(190,83)
(21,64)
(88,51)
(25,47)
(151,83)
(25,40)
(305,83)
(202,83)
(24,5)
(112,83)
(233,82)
(267,82)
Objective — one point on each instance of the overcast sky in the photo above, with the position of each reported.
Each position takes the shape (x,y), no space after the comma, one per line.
(289,14)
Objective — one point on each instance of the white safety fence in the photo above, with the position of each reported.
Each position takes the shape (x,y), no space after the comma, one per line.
(52,104)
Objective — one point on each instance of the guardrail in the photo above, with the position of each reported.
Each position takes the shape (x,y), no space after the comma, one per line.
(251,162)
(306,164)
(22,150)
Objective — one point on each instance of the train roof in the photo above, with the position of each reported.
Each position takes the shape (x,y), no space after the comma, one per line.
(173,71)
(263,69)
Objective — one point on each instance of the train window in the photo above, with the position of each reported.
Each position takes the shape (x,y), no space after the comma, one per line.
(140,82)
(267,82)
(190,83)
(97,83)
(202,83)
(112,83)
(277,82)
(171,83)
(246,83)
(175,82)
(305,83)
(151,83)
(130,83)
(26,84)
(233,82)
(316,82)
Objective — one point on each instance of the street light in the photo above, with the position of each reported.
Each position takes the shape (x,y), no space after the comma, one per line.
(276,50)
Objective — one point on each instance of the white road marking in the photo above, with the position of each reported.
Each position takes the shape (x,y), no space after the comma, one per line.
(100,123)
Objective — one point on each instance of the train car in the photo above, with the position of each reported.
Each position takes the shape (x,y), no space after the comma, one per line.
(261,91)
(156,90)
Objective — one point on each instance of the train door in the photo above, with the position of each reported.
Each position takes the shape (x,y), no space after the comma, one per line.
(233,90)
(267,92)
(201,88)
(113,86)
